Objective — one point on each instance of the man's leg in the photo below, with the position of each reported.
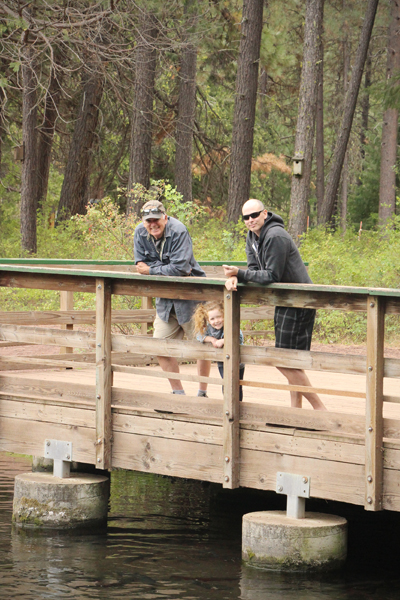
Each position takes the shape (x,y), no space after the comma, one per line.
(170,365)
(299,377)
(169,331)
(203,370)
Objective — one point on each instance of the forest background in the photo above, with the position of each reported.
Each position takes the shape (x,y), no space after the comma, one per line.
(106,104)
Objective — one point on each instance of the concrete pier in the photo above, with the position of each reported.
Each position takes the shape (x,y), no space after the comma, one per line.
(271,540)
(42,500)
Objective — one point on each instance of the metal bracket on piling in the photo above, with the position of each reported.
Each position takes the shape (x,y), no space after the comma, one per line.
(297,489)
(61,453)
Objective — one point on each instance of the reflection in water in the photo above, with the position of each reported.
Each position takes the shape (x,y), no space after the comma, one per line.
(170,538)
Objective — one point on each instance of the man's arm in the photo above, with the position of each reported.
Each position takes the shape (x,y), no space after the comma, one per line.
(275,255)
(180,255)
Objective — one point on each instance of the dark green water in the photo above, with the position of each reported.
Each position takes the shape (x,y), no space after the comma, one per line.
(180,539)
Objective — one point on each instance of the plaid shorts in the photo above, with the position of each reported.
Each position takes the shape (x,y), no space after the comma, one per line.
(293,327)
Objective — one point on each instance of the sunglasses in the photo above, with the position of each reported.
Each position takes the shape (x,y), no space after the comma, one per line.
(151,211)
(253,215)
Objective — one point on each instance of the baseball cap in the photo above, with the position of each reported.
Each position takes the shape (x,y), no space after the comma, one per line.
(153,209)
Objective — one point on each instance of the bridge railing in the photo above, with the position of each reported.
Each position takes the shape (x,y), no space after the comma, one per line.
(239,422)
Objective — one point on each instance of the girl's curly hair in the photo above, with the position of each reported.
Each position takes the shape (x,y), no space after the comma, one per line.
(200,316)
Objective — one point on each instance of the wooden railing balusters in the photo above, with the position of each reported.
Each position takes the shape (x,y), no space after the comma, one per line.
(374,403)
(103,374)
(231,408)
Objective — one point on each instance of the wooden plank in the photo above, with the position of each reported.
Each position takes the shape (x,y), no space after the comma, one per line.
(168,403)
(305,298)
(374,404)
(103,375)
(66,303)
(257,313)
(147,304)
(12,384)
(49,401)
(28,437)
(338,481)
(155,347)
(72,317)
(168,428)
(231,410)
(37,363)
(47,281)
(47,413)
(167,287)
(302,418)
(164,374)
(303,445)
(391,490)
(303,359)
(168,457)
(48,337)
(300,388)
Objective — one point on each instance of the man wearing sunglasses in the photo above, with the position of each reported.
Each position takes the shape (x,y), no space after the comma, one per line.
(163,246)
(273,257)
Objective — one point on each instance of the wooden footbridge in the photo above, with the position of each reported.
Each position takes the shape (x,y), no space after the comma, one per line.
(103,393)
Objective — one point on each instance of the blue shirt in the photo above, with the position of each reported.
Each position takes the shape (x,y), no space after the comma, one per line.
(173,258)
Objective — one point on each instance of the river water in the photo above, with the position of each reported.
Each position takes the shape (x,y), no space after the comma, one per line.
(181,539)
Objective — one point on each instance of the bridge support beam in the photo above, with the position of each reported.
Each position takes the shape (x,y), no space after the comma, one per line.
(271,540)
(44,501)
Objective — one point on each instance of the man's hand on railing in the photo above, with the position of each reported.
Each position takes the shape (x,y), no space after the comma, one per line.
(231,284)
(142,268)
(230,271)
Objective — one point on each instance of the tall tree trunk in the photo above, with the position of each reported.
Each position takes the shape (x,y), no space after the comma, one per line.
(46,134)
(365,106)
(186,112)
(348,114)
(245,105)
(75,188)
(142,117)
(303,147)
(387,188)
(30,163)
(319,134)
(345,170)
(263,91)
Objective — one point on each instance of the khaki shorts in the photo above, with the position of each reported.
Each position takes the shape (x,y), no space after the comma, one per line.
(172,330)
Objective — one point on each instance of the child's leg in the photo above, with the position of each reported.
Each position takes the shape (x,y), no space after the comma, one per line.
(241,374)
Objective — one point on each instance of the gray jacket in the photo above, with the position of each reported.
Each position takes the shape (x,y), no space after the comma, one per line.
(175,260)
(273,257)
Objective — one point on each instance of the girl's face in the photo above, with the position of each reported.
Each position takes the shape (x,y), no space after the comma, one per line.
(216,318)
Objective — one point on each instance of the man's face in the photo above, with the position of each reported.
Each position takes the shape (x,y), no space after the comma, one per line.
(254,217)
(156,226)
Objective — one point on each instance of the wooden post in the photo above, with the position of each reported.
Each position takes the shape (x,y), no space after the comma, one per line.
(374,403)
(147,302)
(103,374)
(66,303)
(231,441)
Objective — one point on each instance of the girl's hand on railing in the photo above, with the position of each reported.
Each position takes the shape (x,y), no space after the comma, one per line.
(218,343)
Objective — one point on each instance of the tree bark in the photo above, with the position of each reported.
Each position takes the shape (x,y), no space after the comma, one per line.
(46,134)
(186,115)
(345,170)
(75,188)
(387,188)
(245,105)
(319,135)
(348,114)
(304,142)
(142,117)
(30,163)
(365,105)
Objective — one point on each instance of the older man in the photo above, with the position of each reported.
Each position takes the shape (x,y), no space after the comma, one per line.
(163,246)
(272,257)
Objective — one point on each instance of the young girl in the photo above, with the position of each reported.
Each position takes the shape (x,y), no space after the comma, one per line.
(209,327)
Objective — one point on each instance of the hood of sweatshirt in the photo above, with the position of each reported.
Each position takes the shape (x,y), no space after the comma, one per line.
(272,220)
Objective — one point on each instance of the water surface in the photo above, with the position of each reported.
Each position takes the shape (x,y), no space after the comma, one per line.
(181,539)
